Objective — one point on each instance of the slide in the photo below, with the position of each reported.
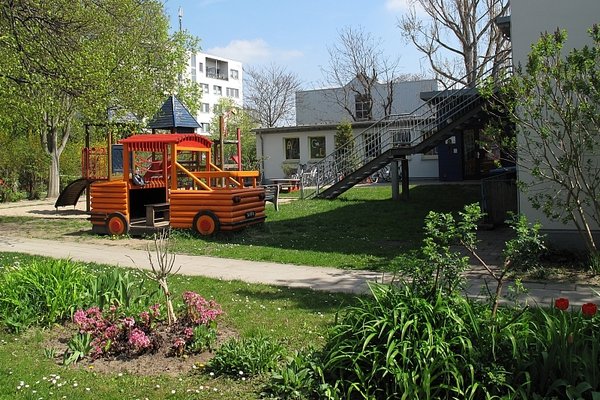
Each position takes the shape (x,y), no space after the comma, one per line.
(70,195)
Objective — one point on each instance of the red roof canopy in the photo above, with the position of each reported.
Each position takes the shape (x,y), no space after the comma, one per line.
(157,142)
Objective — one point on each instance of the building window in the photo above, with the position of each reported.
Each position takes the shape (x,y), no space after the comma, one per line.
(218,90)
(193,74)
(316,146)
(362,105)
(204,88)
(205,107)
(292,148)
(235,74)
(231,92)
(201,67)
(204,127)
(193,60)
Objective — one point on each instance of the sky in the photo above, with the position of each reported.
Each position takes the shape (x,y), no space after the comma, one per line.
(294,34)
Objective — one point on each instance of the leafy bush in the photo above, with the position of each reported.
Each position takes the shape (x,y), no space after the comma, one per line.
(122,289)
(300,377)
(563,357)
(527,248)
(41,292)
(246,357)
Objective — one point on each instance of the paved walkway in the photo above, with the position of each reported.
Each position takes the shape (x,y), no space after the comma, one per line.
(327,279)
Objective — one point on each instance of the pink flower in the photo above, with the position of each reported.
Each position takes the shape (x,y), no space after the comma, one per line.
(128,322)
(145,317)
(188,333)
(139,340)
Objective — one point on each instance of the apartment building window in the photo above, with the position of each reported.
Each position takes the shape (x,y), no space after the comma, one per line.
(235,74)
(201,67)
(204,88)
(193,61)
(218,90)
(231,92)
(205,107)
(292,148)
(193,73)
(362,105)
(204,127)
(316,146)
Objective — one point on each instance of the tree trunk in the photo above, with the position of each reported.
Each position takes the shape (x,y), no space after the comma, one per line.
(54,175)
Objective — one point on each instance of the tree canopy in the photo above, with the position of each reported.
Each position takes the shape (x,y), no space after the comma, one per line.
(68,62)
(554,101)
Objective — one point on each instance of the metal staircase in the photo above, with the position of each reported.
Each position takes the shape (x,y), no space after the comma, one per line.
(393,137)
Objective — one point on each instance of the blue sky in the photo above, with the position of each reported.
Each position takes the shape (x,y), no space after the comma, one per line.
(291,33)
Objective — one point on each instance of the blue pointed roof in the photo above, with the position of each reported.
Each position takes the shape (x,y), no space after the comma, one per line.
(174,116)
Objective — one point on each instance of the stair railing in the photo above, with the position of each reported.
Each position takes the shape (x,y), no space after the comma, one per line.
(414,131)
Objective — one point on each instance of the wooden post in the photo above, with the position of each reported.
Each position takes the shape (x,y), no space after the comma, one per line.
(395,183)
(404,162)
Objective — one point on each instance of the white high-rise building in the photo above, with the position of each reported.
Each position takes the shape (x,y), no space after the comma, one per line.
(218,77)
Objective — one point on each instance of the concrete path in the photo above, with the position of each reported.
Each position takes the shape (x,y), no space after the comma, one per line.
(316,278)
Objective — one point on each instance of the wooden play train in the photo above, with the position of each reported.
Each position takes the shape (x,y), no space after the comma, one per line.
(171,180)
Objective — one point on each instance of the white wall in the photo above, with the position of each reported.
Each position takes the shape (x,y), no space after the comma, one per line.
(531,18)
(320,106)
(270,147)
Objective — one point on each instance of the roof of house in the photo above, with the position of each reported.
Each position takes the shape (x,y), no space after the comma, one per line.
(173,115)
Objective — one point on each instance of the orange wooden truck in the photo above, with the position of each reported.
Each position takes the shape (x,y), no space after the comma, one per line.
(170,180)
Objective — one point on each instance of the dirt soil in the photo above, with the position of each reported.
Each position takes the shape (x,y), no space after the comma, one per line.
(149,364)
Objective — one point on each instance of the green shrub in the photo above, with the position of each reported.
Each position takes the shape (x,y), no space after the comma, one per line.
(563,356)
(299,377)
(246,357)
(527,248)
(41,292)
(122,289)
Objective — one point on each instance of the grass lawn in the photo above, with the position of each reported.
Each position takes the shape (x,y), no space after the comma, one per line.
(294,317)
(363,229)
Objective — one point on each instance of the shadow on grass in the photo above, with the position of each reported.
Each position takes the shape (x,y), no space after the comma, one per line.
(363,222)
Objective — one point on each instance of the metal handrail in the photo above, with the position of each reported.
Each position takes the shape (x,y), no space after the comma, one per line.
(410,131)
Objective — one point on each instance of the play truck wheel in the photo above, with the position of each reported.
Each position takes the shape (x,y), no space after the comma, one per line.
(206,223)
(116,224)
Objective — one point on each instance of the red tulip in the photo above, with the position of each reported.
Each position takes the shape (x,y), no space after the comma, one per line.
(561,303)
(589,309)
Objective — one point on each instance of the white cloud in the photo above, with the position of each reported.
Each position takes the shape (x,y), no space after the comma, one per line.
(253,51)
(398,5)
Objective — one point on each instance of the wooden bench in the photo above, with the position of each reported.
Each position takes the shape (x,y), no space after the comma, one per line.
(272,195)
(153,209)
(287,184)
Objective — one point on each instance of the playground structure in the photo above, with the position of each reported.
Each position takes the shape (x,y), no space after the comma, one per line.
(168,180)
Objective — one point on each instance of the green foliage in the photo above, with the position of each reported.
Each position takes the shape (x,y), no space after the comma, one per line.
(205,336)
(41,292)
(300,377)
(438,265)
(526,249)
(79,346)
(247,356)
(122,289)
(554,101)
(401,345)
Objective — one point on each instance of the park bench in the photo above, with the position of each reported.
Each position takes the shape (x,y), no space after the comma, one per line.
(272,195)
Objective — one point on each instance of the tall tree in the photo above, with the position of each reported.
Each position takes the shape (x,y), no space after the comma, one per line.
(67,61)
(269,94)
(357,65)
(459,38)
(555,104)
